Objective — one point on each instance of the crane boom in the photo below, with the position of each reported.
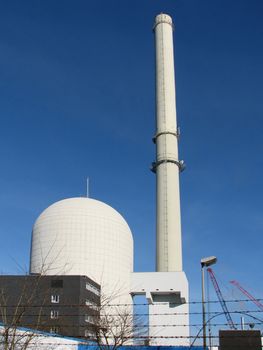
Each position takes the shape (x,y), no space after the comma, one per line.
(221,299)
(245,292)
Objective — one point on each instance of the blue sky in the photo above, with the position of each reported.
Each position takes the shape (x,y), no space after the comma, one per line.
(77,100)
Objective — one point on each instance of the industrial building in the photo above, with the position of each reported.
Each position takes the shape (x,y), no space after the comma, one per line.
(66,305)
(86,237)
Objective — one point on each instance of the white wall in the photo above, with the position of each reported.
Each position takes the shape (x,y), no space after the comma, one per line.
(167,295)
(83,236)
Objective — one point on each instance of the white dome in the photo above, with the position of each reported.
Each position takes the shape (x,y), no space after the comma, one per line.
(83,236)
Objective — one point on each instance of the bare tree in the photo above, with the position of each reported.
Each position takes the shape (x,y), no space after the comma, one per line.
(114,325)
(22,304)
(104,319)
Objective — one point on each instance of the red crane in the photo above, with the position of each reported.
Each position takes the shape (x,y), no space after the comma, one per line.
(221,299)
(245,292)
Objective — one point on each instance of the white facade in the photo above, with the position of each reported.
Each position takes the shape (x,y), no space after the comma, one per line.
(83,236)
(167,296)
(167,166)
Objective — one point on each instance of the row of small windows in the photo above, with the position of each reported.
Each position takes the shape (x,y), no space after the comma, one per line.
(55,313)
(90,303)
(89,286)
(88,318)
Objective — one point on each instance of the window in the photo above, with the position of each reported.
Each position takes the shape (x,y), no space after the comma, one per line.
(55,298)
(89,318)
(92,288)
(92,304)
(57,284)
(54,314)
(54,329)
(89,333)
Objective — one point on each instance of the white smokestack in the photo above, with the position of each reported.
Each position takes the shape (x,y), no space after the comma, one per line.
(167,165)
(167,289)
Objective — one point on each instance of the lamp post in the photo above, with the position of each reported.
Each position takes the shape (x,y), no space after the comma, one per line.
(205,262)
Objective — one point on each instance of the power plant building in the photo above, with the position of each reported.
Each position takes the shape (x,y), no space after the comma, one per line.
(86,237)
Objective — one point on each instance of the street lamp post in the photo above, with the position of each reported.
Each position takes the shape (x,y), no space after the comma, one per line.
(205,262)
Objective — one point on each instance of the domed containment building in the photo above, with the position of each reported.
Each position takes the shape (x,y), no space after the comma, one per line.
(83,236)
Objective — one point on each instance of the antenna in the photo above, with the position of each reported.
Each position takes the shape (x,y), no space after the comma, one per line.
(87,187)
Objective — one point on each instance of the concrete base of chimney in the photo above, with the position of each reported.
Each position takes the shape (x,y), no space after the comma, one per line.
(167,296)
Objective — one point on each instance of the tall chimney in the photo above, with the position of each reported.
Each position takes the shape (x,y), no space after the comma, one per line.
(167,289)
(167,165)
